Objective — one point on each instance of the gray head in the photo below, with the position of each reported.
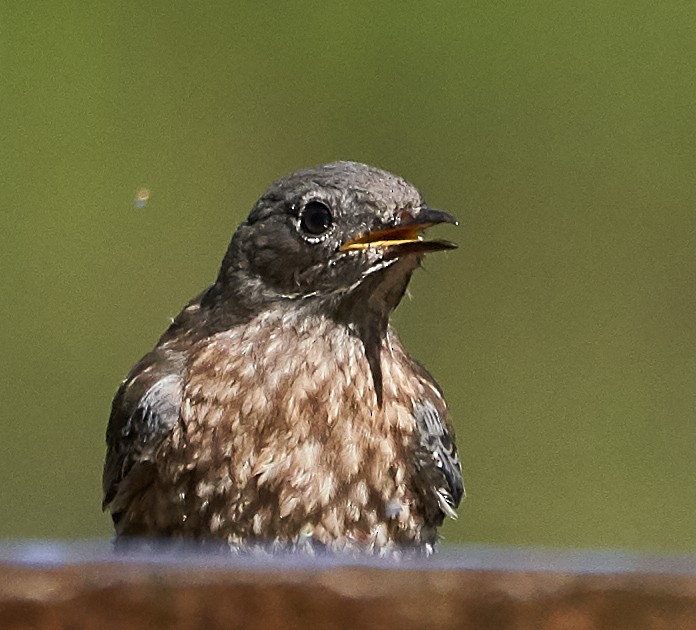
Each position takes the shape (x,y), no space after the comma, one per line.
(343,236)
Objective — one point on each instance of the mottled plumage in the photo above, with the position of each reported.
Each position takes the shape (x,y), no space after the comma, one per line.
(280,406)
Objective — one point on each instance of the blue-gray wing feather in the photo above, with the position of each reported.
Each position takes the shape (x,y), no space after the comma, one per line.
(144,411)
(437,457)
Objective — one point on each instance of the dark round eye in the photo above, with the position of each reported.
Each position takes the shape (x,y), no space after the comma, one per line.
(315,218)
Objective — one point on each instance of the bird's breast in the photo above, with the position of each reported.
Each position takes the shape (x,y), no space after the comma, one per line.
(281,431)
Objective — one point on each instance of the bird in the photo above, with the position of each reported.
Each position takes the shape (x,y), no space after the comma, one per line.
(280,408)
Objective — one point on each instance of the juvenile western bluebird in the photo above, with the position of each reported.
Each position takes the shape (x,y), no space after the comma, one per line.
(280,406)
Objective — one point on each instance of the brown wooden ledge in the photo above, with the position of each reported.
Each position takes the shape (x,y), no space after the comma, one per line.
(74,586)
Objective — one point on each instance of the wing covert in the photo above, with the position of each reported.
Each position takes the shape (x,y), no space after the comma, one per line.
(437,456)
(144,411)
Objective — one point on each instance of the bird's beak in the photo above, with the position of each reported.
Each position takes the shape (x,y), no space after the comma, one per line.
(406,235)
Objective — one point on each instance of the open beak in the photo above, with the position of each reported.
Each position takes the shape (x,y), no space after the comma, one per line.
(405,237)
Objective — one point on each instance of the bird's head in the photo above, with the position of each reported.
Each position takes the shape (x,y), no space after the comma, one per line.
(344,235)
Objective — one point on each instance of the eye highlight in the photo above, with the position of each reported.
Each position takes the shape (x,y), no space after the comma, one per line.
(315,218)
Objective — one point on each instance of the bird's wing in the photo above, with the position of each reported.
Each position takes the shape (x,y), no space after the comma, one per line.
(144,411)
(436,455)
(438,473)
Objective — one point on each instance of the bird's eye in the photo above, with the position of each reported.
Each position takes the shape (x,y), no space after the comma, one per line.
(315,218)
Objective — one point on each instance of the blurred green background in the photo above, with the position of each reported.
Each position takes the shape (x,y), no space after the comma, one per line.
(561,133)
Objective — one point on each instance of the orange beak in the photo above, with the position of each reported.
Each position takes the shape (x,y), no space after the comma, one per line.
(407,236)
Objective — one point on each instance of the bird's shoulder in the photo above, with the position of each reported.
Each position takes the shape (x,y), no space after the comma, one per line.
(143,412)
(147,406)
